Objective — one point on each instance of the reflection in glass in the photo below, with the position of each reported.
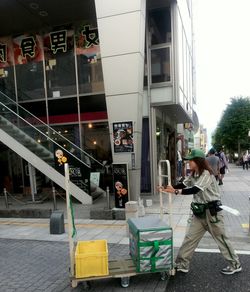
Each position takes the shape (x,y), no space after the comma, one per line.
(30,84)
(160,64)
(7,84)
(60,66)
(96,140)
(160,26)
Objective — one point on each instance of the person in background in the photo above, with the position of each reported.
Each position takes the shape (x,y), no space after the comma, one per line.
(214,163)
(223,165)
(245,161)
(206,214)
(179,165)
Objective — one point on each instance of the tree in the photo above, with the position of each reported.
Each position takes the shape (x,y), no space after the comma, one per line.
(232,130)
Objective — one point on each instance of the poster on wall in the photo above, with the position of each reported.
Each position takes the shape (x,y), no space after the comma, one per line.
(121,184)
(79,173)
(27,48)
(87,42)
(57,43)
(123,137)
(6,54)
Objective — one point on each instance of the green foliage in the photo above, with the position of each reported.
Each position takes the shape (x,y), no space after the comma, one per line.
(234,125)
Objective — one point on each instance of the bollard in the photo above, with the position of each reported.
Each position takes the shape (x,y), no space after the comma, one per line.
(57,222)
(54,197)
(108,198)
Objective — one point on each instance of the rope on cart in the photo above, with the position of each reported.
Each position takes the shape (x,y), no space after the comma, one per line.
(74,232)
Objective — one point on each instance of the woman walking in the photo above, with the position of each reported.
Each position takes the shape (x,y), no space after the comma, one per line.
(207,215)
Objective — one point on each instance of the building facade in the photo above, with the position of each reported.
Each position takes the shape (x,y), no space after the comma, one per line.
(114,77)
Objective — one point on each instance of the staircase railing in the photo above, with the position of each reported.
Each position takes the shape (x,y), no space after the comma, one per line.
(41,132)
(40,138)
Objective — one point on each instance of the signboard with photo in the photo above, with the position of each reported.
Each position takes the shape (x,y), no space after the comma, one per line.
(123,137)
(121,184)
(79,173)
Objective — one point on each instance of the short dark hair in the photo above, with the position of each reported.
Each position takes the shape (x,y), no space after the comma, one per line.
(211,151)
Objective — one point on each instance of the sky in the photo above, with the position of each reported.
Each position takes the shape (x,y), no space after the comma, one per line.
(222,49)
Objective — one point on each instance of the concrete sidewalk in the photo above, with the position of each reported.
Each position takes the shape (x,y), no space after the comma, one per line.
(235,194)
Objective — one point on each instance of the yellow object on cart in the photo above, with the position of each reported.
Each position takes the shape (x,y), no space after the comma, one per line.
(91,258)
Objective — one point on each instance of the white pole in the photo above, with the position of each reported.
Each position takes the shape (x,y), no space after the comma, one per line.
(169,194)
(160,184)
(69,216)
(168,175)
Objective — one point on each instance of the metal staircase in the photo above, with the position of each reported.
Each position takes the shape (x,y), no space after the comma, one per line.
(35,141)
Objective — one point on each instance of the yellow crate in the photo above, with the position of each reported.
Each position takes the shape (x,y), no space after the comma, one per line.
(91,258)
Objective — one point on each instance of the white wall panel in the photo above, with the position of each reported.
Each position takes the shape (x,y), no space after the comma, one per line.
(163,94)
(106,8)
(120,34)
(124,109)
(122,74)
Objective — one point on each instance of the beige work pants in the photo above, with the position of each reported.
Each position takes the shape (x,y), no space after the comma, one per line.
(195,232)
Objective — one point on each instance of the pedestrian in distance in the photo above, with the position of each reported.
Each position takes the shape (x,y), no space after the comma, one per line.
(207,215)
(223,165)
(245,161)
(179,165)
(214,163)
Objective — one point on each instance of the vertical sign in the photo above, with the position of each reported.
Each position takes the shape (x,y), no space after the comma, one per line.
(79,173)
(123,137)
(121,184)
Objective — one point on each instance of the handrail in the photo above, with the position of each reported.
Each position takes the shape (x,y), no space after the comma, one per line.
(47,137)
(168,176)
(46,125)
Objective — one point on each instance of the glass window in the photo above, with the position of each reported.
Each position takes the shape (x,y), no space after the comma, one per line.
(60,63)
(63,110)
(89,75)
(160,65)
(93,103)
(37,108)
(89,65)
(7,84)
(96,140)
(30,81)
(71,132)
(28,58)
(160,25)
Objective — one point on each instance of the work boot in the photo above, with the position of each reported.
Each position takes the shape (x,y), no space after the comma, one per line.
(220,182)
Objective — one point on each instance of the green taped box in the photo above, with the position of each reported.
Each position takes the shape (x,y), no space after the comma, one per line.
(150,244)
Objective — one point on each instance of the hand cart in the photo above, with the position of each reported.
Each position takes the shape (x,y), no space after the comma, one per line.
(122,268)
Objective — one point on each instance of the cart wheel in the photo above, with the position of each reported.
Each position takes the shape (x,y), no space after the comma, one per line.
(86,285)
(74,283)
(125,282)
(164,276)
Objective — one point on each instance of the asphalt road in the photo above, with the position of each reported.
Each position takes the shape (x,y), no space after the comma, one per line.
(36,266)
(204,275)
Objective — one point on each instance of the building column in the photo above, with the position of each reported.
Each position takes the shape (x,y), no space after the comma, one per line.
(121,27)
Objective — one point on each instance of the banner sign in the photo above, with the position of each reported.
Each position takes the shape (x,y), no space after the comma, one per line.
(6,54)
(121,184)
(123,137)
(27,48)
